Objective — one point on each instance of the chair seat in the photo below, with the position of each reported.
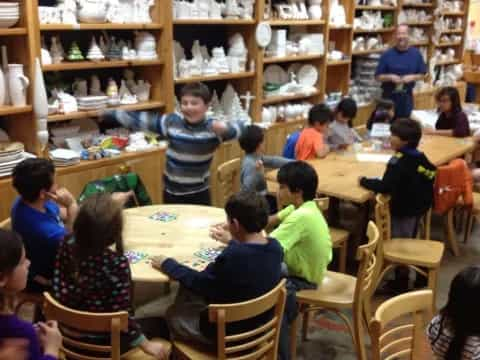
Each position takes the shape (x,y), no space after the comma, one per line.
(426,253)
(138,354)
(338,236)
(194,352)
(336,291)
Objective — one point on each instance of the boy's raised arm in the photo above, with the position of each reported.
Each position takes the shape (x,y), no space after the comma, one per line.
(137,120)
(228,131)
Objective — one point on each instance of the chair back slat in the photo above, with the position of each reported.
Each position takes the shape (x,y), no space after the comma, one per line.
(323,203)
(228,177)
(261,342)
(6,224)
(74,322)
(400,341)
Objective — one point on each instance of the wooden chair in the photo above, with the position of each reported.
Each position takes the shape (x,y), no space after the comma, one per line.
(228,178)
(339,236)
(23,297)
(260,343)
(400,341)
(339,292)
(472,215)
(423,256)
(74,323)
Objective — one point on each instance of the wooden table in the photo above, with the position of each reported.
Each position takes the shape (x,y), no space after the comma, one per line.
(179,238)
(338,173)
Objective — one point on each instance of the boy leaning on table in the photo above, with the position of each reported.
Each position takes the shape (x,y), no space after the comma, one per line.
(408,179)
(193,138)
(247,268)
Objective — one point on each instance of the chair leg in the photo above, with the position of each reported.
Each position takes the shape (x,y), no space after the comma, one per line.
(342,262)
(432,284)
(451,233)
(293,337)
(468,227)
(306,322)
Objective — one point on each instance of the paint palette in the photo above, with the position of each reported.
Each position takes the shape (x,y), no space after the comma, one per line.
(135,256)
(208,254)
(163,216)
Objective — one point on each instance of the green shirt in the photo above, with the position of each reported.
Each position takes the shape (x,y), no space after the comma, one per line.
(305,239)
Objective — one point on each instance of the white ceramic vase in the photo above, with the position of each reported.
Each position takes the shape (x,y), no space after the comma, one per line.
(2,87)
(17,84)
(40,102)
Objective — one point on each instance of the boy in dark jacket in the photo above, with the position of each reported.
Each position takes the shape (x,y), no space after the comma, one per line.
(408,179)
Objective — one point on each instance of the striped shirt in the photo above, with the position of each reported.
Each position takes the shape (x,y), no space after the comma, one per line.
(440,337)
(191,146)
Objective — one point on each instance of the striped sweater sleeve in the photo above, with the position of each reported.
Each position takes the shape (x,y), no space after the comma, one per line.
(141,120)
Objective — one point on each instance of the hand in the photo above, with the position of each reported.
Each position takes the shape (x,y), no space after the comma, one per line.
(14,349)
(50,337)
(157,261)
(408,78)
(219,127)
(396,79)
(122,197)
(428,130)
(221,234)
(259,166)
(156,349)
(62,197)
(360,180)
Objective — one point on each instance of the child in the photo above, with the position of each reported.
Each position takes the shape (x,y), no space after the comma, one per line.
(409,180)
(13,278)
(247,268)
(340,132)
(384,113)
(42,215)
(89,276)
(455,332)
(311,144)
(193,138)
(252,177)
(303,234)
(452,121)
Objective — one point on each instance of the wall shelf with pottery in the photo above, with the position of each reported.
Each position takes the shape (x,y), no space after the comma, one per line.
(68,27)
(13,110)
(271,60)
(213,22)
(219,77)
(286,98)
(13,31)
(86,65)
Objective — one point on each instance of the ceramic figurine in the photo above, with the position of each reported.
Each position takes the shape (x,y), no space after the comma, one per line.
(114,52)
(248,99)
(112,93)
(80,87)
(95,86)
(214,10)
(337,13)
(145,45)
(45,54)
(92,11)
(56,50)
(94,52)
(101,44)
(17,85)
(68,10)
(142,90)
(232,10)
(126,96)
(142,11)
(74,53)
(247,8)
(129,76)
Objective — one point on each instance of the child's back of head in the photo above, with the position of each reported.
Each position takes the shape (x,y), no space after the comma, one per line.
(407,130)
(319,114)
(11,252)
(31,176)
(383,113)
(252,136)
(249,209)
(299,176)
(346,110)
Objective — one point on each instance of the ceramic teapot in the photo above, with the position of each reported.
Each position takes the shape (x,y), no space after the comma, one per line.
(92,11)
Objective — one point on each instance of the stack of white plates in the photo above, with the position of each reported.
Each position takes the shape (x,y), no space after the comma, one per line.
(64,157)
(9,14)
(11,153)
(87,103)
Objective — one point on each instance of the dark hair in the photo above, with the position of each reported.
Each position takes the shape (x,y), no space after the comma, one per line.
(460,310)
(319,113)
(196,89)
(249,209)
(99,224)
(348,108)
(251,137)
(453,95)
(32,176)
(407,130)
(11,246)
(381,113)
(299,176)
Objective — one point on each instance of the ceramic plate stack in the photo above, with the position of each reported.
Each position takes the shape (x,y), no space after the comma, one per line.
(9,14)
(64,157)
(88,103)
(11,153)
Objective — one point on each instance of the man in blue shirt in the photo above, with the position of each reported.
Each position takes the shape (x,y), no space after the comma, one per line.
(43,214)
(398,69)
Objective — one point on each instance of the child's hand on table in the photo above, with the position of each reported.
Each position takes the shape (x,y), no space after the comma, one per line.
(157,261)
(220,233)
(122,197)
(155,349)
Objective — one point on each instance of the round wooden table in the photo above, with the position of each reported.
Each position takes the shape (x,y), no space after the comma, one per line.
(179,238)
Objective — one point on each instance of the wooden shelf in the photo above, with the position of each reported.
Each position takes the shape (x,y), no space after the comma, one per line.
(448,44)
(213,22)
(419,23)
(453,13)
(271,60)
(296,22)
(383,30)
(428,5)
(83,65)
(338,62)
(419,43)
(368,52)
(341,27)
(448,62)
(368,7)
(453,31)
(284,98)
(13,31)
(86,114)
(229,76)
(13,110)
(106,26)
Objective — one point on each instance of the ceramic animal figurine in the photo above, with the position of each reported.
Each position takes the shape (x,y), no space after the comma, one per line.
(56,50)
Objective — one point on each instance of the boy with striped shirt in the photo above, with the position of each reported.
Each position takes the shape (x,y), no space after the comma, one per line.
(193,139)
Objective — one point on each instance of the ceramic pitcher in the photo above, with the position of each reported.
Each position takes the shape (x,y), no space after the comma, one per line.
(3,84)
(17,84)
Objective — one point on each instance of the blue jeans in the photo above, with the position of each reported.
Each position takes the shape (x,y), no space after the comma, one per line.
(403,103)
